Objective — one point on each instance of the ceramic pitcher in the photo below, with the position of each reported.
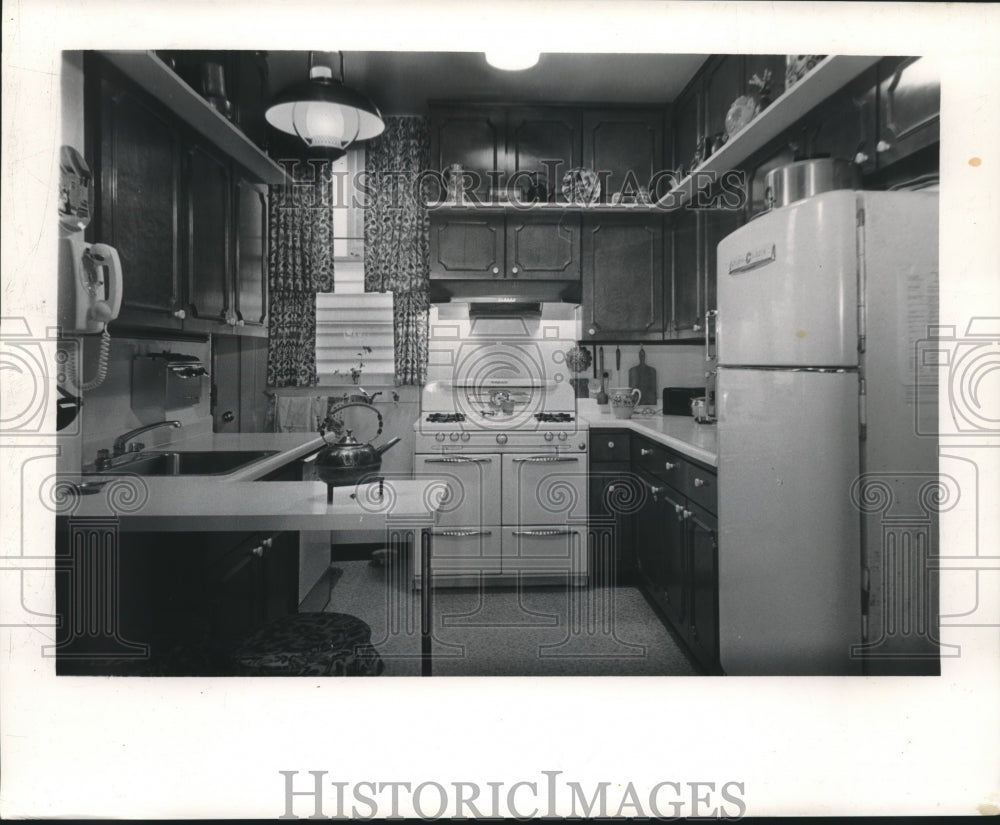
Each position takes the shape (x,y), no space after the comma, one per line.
(623,401)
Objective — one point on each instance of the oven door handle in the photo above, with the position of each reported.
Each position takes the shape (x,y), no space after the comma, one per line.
(543,533)
(547,459)
(458,459)
(462,533)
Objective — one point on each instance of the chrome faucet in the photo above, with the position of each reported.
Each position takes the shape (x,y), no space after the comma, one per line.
(119,447)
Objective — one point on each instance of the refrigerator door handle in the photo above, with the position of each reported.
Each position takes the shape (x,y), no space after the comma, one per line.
(711,335)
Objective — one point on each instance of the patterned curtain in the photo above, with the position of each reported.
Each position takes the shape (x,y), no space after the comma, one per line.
(300,264)
(396,233)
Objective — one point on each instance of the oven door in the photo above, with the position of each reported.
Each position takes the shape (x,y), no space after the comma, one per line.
(544,489)
(473,483)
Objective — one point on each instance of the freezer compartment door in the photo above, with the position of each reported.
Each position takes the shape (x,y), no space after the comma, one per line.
(787,286)
(789,535)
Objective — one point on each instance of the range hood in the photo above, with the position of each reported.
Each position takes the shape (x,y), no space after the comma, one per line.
(510,293)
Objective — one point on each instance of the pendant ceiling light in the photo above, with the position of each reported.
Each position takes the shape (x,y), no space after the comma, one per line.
(324,112)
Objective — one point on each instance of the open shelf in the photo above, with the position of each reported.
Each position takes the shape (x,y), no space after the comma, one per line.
(157,78)
(827,77)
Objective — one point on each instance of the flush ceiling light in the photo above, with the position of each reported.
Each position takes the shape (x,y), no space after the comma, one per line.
(324,112)
(512,59)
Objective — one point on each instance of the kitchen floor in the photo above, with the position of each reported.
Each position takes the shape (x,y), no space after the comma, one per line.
(510,631)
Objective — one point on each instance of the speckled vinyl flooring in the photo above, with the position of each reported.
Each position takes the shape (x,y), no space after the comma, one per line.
(510,631)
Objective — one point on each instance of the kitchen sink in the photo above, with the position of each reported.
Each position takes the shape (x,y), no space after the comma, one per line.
(194,463)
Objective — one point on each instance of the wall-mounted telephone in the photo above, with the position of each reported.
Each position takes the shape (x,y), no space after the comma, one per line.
(96,272)
(90,275)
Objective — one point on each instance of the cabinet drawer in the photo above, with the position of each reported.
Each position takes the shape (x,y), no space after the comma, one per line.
(462,551)
(609,445)
(700,485)
(545,549)
(662,463)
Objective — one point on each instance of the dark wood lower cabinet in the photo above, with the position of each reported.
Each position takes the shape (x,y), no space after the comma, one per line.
(166,604)
(676,551)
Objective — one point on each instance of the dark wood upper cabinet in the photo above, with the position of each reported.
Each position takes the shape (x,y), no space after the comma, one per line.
(250,289)
(474,137)
(467,245)
(138,200)
(190,230)
(622,277)
(684,306)
(723,83)
(687,130)
(543,246)
(208,235)
(542,141)
(624,146)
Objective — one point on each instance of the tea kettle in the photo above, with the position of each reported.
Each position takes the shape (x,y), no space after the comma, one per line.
(347,461)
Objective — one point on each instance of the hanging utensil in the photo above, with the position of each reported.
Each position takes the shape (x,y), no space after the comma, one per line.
(643,378)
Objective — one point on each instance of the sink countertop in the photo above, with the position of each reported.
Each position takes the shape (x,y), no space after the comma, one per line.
(679,432)
(235,501)
(290,446)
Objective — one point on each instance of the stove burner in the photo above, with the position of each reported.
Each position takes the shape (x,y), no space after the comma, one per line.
(556,417)
(445,418)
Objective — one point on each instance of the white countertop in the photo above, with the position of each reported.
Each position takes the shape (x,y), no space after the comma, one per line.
(187,503)
(679,432)
(235,501)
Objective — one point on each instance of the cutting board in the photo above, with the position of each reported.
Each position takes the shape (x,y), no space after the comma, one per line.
(643,378)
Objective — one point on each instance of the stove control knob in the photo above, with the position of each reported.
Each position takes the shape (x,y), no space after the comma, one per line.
(582,445)
(549,436)
(465,436)
(439,437)
(563,436)
(501,439)
(453,436)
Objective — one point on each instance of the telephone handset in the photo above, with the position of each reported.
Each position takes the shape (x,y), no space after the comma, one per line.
(98,285)
(90,274)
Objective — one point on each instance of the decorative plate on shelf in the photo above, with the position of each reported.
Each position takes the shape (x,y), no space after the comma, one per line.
(743,110)
(581,186)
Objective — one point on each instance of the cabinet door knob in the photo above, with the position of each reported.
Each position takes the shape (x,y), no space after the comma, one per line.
(686,514)
(860,158)
(495,270)
(883,146)
(514,270)
(591,331)
(228,416)
(268,543)
(668,465)
(655,490)
(240,322)
(645,451)
(699,482)
(181,314)
(611,445)
(258,551)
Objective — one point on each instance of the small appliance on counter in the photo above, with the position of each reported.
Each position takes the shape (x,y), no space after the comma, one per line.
(677,400)
(166,380)
(700,411)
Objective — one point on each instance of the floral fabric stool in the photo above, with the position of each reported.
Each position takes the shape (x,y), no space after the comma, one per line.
(310,644)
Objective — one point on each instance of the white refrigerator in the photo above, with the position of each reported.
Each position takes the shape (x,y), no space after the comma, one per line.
(821,305)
